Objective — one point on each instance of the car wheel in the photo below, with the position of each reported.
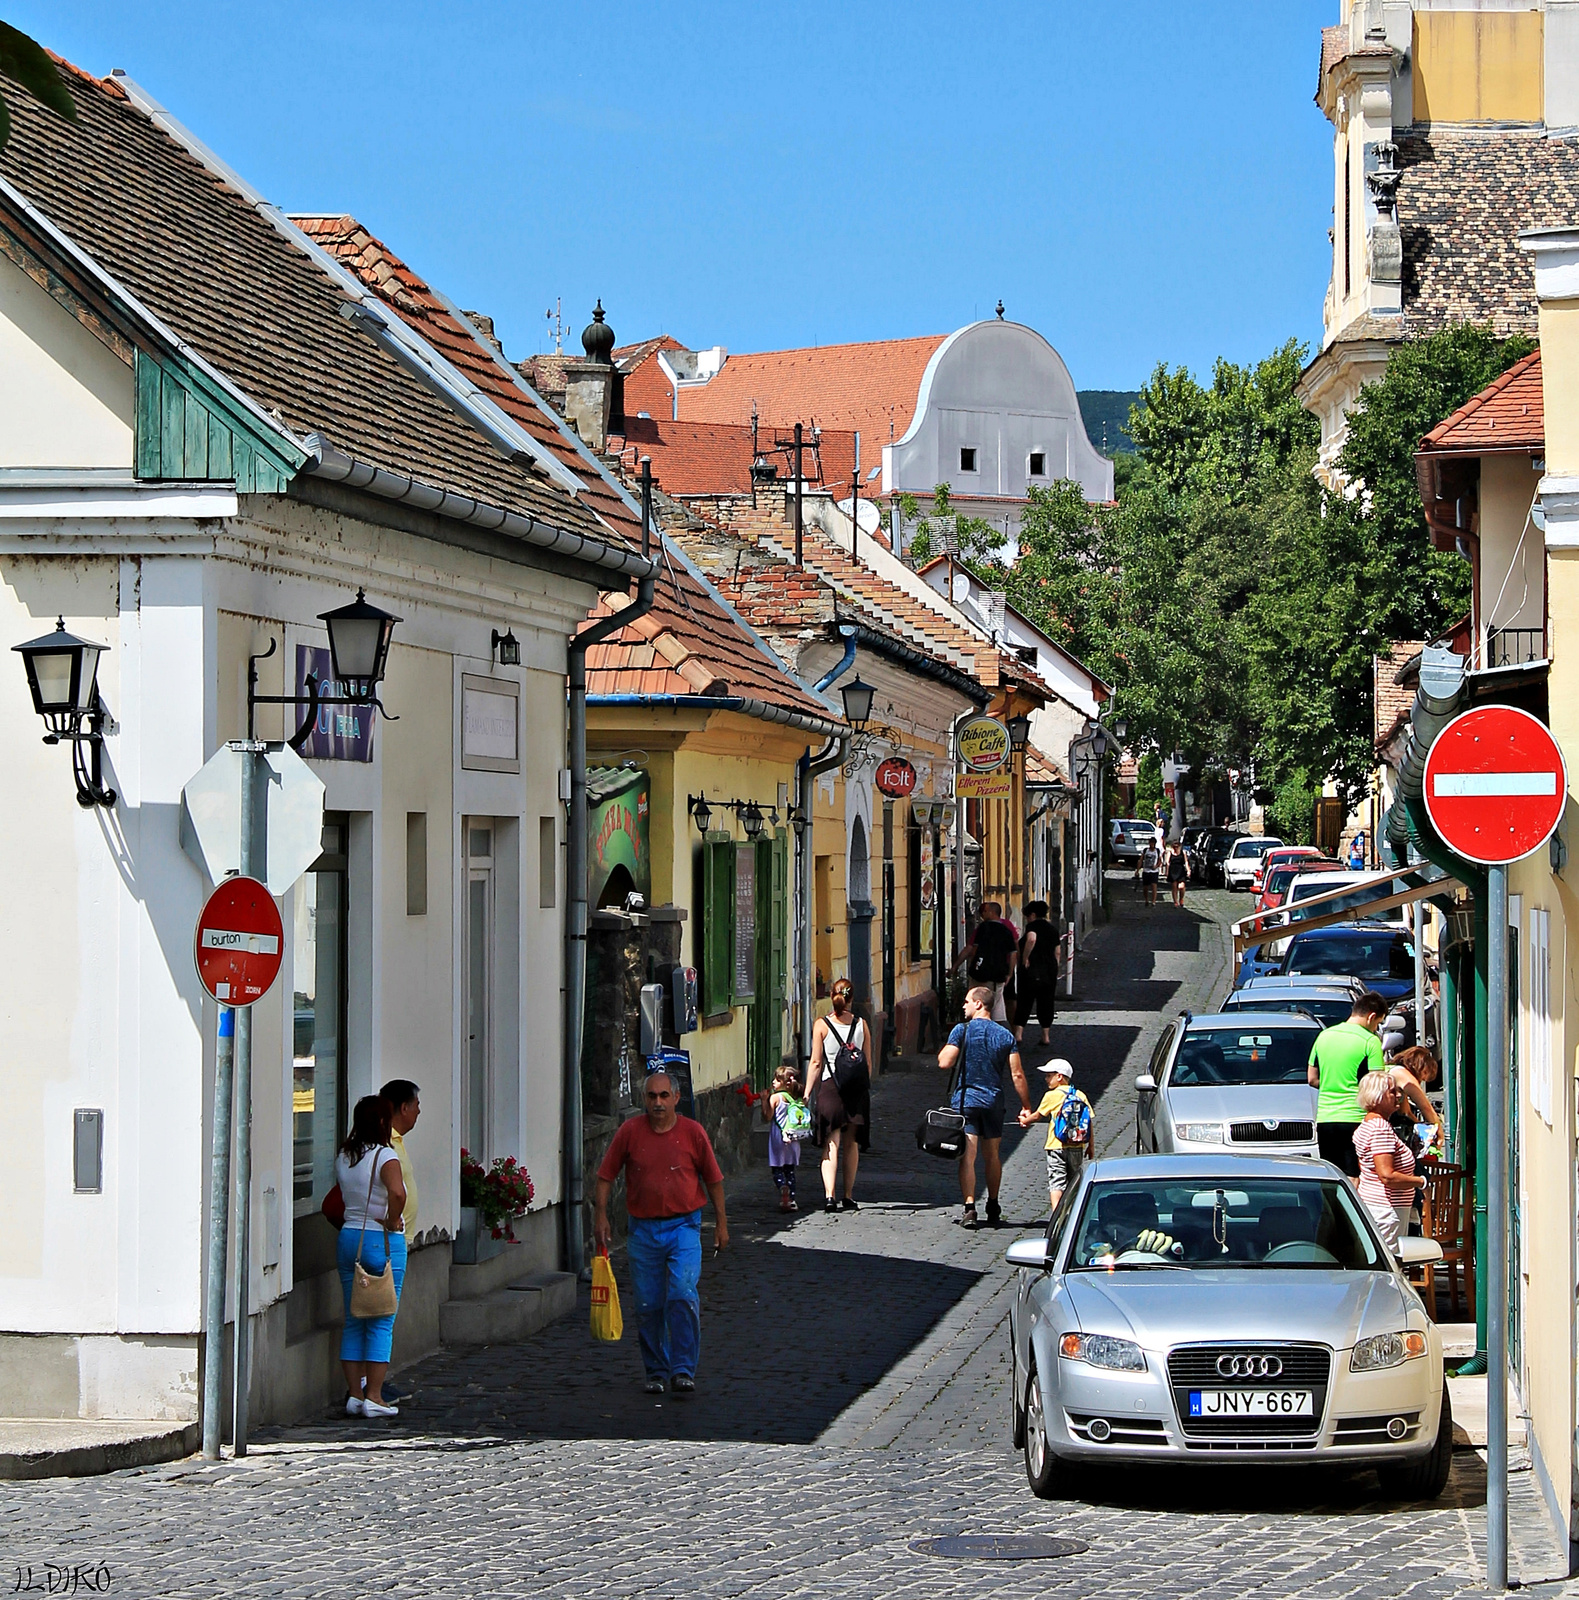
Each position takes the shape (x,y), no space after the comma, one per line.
(1426,1478)
(1041,1465)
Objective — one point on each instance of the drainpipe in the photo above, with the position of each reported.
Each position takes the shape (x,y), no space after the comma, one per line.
(573,1156)
(806,770)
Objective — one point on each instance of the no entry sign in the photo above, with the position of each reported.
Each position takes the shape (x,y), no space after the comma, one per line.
(239,942)
(1495,784)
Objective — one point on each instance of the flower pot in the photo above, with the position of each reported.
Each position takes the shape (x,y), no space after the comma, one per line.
(474,1241)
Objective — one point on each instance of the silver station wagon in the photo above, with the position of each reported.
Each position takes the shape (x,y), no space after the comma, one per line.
(1232,1081)
(1223,1310)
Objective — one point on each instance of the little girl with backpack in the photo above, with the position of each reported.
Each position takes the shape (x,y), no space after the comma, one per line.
(789,1123)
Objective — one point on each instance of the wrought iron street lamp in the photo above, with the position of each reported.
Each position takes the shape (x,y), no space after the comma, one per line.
(698,807)
(1019,731)
(751,820)
(62,676)
(506,648)
(857,698)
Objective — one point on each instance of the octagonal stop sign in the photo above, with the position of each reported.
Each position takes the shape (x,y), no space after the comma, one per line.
(240,942)
(1495,784)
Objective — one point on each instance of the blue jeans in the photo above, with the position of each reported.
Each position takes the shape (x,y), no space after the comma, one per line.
(666,1262)
(368,1338)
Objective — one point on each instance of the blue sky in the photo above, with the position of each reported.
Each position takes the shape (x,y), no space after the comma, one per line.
(1142,180)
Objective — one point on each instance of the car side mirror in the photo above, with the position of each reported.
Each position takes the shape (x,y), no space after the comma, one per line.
(1413,1252)
(1031,1253)
(1146,1084)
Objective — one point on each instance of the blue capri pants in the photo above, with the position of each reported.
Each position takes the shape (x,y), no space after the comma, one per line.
(368,1338)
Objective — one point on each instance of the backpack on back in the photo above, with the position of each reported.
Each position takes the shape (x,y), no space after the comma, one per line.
(794,1120)
(1072,1125)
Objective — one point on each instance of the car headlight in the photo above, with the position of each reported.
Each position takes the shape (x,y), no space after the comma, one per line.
(1386,1350)
(1103,1350)
(1200,1132)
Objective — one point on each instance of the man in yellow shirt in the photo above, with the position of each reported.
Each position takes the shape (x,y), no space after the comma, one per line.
(1065,1151)
(405,1108)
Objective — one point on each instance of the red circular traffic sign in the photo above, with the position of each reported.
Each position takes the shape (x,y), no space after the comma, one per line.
(239,942)
(1495,784)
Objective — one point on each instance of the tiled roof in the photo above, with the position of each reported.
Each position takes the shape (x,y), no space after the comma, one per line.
(645,387)
(748,552)
(711,458)
(1463,199)
(1393,701)
(546,374)
(1041,769)
(1508,414)
(870,389)
(248,298)
(688,643)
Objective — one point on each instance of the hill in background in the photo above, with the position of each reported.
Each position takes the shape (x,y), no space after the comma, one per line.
(1105,413)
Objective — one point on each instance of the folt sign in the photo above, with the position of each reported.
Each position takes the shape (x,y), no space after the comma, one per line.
(895,777)
(341,733)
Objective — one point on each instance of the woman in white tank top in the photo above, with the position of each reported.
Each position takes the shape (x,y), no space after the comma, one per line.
(842,1101)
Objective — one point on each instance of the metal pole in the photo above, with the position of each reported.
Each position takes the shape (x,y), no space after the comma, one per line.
(254,830)
(855,516)
(799,477)
(1497,1230)
(646,506)
(218,1220)
(1420,985)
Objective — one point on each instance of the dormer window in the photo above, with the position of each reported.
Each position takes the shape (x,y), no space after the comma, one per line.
(967,458)
(1038,464)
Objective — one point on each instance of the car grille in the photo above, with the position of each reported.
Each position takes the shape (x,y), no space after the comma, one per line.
(1278,1133)
(1305,1366)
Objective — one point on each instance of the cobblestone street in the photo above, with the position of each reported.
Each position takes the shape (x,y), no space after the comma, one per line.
(852,1399)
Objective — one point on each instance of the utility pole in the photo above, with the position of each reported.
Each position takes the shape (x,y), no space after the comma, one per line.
(799,477)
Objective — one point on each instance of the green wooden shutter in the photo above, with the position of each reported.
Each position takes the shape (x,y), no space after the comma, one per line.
(718,924)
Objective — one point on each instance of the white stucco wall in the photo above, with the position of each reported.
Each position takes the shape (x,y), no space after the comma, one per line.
(1001,389)
(65,399)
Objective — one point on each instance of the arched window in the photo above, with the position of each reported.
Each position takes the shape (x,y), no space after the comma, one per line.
(860,865)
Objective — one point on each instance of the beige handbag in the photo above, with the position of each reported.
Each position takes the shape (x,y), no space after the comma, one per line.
(373,1297)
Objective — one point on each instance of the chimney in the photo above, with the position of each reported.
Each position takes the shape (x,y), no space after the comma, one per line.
(589,383)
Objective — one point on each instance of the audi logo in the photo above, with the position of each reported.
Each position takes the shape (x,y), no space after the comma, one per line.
(1249,1367)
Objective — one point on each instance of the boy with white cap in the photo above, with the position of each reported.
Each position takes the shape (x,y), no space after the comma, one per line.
(1071,1127)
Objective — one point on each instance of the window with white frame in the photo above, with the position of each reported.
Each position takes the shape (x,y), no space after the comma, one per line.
(1540,1015)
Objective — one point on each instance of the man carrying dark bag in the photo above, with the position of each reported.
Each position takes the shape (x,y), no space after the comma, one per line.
(981,1047)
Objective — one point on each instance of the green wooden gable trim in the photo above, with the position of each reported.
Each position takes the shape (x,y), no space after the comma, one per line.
(189,428)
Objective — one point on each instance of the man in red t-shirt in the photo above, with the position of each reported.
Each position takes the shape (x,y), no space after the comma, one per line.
(668,1161)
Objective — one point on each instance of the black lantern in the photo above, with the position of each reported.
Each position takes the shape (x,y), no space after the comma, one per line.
(699,808)
(507,648)
(1120,727)
(359,644)
(751,820)
(1020,731)
(62,674)
(857,702)
(798,821)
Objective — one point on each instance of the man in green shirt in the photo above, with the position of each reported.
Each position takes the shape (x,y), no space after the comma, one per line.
(1340,1057)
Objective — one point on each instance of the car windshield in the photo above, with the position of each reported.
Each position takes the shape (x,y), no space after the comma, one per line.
(1328,1010)
(1210,1057)
(1254,847)
(1348,902)
(1381,955)
(1227,1222)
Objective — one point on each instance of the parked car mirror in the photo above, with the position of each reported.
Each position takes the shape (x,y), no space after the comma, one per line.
(1413,1252)
(1146,1083)
(1033,1253)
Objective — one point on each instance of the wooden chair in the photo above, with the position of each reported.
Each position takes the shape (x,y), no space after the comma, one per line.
(1423,1277)
(1452,1225)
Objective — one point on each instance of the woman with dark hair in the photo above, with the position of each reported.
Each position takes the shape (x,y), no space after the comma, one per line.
(839,1091)
(368,1172)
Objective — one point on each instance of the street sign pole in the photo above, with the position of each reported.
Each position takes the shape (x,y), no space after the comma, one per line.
(1497,1229)
(218,1227)
(253,852)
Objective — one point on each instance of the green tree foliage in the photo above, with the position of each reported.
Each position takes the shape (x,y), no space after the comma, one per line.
(944,531)
(25,62)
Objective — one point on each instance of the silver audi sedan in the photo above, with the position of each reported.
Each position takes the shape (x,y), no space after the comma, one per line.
(1223,1310)
(1231,1080)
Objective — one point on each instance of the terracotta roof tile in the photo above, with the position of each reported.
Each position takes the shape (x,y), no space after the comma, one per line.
(714,458)
(870,389)
(1508,414)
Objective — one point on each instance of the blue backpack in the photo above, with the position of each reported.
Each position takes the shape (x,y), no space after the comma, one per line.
(1072,1125)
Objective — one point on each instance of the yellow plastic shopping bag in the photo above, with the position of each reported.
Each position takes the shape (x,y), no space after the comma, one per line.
(607,1323)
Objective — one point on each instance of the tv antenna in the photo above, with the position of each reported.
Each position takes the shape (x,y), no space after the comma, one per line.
(555,315)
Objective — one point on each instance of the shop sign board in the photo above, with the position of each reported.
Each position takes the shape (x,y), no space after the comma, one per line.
(982,744)
(240,942)
(895,777)
(1495,784)
(340,733)
(984,785)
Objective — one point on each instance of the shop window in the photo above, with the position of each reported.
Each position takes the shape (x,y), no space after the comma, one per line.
(318,1073)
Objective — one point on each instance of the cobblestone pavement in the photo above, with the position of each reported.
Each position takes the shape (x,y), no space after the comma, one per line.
(852,1400)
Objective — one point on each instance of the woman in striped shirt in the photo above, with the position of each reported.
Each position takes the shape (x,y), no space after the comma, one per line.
(1387,1164)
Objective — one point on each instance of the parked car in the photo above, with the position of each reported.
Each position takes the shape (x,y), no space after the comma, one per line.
(1223,1311)
(1128,836)
(1283,853)
(1367,886)
(1194,841)
(1278,875)
(1239,865)
(1381,955)
(1218,843)
(1328,1004)
(1230,1080)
